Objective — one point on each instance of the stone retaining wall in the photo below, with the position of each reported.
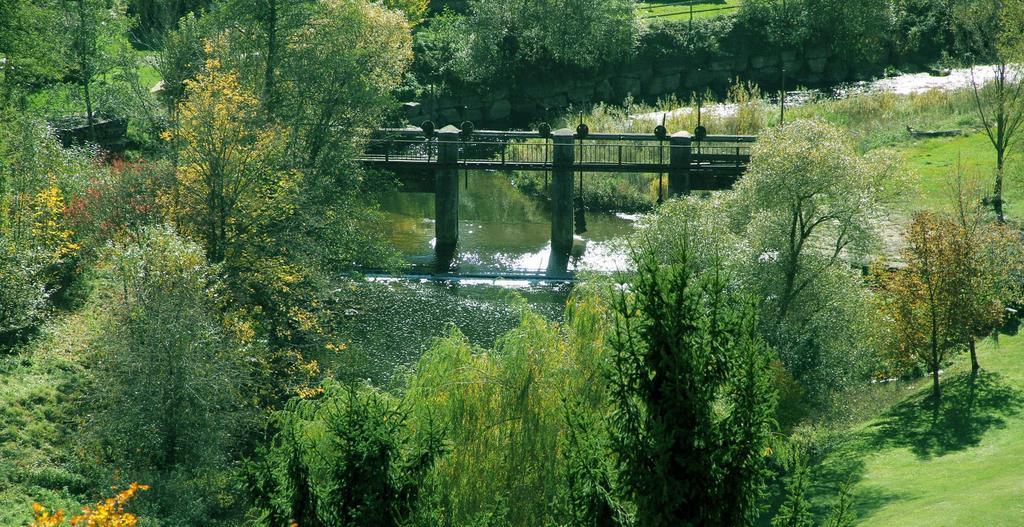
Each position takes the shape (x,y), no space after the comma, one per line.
(643,81)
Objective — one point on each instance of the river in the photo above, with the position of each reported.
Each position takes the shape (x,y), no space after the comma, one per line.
(501,230)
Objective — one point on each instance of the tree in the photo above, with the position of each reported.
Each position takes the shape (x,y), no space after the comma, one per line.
(510,40)
(157,17)
(345,457)
(170,384)
(414,10)
(29,49)
(691,396)
(808,205)
(795,510)
(812,198)
(229,184)
(525,423)
(922,300)
(266,27)
(96,28)
(996,27)
(338,80)
(988,262)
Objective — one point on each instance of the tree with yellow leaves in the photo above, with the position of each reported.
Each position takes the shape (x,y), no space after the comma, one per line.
(228,179)
(959,277)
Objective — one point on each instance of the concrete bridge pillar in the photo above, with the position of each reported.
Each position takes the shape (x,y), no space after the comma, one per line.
(680,157)
(561,192)
(446,191)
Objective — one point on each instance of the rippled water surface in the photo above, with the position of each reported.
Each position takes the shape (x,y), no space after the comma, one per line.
(501,231)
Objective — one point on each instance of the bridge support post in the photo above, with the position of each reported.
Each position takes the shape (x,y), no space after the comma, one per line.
(561,193)
(680,159)
(446,191)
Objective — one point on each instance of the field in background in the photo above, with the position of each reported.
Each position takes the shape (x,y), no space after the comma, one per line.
(681,10)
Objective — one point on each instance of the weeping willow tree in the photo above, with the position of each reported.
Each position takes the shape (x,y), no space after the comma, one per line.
(523,422)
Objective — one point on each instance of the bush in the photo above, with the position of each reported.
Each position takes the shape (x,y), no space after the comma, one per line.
(38,247)
(344,457)
(691,395)
(169,384)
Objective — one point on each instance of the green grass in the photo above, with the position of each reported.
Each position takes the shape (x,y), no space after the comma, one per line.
(38,386)
(934,161)
(961,464)
(680,10)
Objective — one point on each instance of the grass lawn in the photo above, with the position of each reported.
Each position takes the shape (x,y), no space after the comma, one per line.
(934,162)
(961,464)
(680,10)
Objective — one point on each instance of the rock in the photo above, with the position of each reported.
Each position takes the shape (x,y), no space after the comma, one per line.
(764,62)
(501,109)
(626,85)
(604,90)
(556,101)
(583,94)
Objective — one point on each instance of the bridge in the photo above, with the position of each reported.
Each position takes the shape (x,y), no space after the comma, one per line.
(429,161)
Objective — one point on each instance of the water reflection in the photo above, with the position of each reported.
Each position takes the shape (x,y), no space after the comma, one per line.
(500,230)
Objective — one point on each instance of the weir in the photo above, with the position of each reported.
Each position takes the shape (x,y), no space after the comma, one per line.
(425,160)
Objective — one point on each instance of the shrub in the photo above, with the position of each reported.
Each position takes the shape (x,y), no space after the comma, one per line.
(169,385)
(344,457)
(691,395)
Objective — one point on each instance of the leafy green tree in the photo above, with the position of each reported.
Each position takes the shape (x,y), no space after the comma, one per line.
(989,260)
(691,395)
(524,423)
(338,80)
(29,49)
(507,40)
(169,384)
(181,59)
(344,457)
(97,28)
(157,17)
(806,207)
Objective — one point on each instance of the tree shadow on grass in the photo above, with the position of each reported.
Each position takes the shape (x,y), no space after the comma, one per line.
(844,462)
(971,405)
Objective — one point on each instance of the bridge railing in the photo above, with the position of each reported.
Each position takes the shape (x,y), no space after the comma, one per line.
(519,149)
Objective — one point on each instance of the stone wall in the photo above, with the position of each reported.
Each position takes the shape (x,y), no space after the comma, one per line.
(644,81)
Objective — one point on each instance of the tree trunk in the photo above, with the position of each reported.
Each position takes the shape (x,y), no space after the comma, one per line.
(997,195)
(936,363)
(974,355)
(268,73)
(88,110)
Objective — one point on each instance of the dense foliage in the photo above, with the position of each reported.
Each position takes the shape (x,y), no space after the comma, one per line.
(166,300)
(692,397)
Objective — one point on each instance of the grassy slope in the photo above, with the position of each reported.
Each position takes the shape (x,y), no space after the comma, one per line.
(38,385)
(934,160)
(962,465)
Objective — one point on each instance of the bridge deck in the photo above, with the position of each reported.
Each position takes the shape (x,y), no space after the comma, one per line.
(495,150)
(730,168)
